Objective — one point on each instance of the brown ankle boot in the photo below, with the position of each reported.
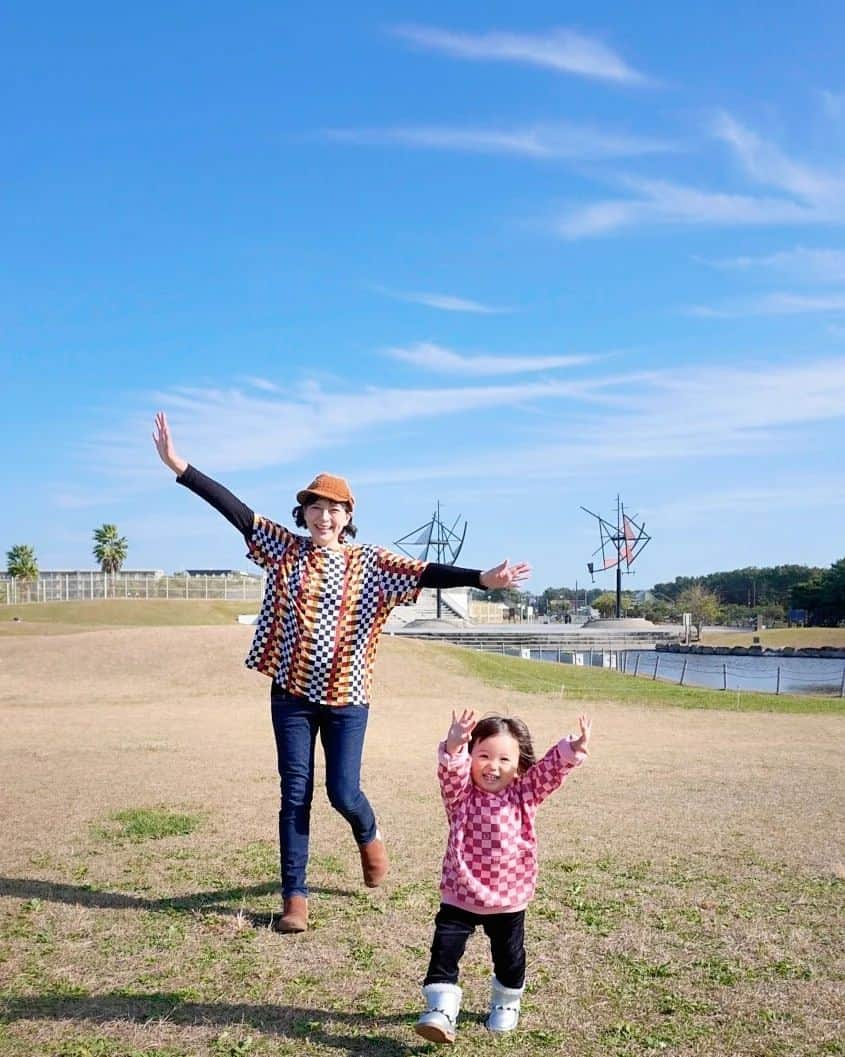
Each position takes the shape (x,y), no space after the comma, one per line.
(374,862)
(294,915)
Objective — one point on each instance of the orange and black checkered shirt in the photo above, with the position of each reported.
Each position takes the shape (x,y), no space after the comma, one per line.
(323,611)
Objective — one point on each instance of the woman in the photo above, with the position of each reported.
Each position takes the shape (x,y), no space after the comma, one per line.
(325,603)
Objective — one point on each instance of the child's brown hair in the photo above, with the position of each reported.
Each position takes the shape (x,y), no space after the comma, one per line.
(489,726)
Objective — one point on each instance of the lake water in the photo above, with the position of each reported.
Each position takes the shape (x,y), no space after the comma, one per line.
(785,675)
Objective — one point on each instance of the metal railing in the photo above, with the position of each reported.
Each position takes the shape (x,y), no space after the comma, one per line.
(766,675)
(87,586)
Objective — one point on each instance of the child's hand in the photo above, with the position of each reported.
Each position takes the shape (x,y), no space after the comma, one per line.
(580,744)
(460,731)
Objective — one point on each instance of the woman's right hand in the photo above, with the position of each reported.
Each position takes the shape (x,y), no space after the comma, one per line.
(164,445)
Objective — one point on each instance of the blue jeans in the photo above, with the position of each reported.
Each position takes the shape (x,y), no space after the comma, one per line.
(296,722)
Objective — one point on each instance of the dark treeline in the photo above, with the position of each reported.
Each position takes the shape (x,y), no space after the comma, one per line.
(737,595)
(823,595)
(752,587)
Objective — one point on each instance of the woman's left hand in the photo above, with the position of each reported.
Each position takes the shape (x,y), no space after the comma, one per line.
(505,575)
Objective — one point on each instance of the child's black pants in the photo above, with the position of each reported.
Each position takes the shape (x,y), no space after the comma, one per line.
(453,927)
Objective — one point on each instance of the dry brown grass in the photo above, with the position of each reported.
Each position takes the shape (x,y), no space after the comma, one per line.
(777,638)
(690,882)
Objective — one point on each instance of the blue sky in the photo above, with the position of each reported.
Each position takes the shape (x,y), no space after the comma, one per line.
(517,259)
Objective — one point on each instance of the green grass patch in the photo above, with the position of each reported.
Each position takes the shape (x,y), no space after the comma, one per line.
(119,612)
(100,1046)
(623,985)
(147,823)
(777,638)
(574,683)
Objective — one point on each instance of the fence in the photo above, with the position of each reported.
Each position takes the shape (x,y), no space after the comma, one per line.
(763,674)
(772,675)
(86,586)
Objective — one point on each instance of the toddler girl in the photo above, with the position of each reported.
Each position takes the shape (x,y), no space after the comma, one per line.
(491,786)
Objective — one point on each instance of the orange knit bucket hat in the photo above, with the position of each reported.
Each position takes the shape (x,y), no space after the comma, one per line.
(327,486)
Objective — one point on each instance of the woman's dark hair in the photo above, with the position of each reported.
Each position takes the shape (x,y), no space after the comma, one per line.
(489,726)
(298,514)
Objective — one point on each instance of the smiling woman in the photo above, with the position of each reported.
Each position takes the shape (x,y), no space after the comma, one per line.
(325,603)
(325,509)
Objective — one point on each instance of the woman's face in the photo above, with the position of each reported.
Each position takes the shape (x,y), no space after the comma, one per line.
(325,519)
(494,762)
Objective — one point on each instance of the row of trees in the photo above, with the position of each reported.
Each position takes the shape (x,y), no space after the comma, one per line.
(750,587)
(769,593)
(717,598)
(110,550)
(732,597)
(823,595)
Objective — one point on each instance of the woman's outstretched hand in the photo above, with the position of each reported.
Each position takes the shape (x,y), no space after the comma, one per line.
(580,744)
(505,575)
(164,445)
(460,730)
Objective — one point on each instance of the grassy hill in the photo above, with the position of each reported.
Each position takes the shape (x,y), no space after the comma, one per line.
(66,617)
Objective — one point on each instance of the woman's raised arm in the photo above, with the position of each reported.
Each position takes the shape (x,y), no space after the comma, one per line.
(233,509)
(164,445)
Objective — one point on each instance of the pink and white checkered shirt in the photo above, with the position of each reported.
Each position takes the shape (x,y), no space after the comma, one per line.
(490,865)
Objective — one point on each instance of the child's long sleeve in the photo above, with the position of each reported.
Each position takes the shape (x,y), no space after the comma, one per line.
(453,773)
(549,773)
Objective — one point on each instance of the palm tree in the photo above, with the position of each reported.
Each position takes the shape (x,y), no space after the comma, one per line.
(22,564)
(109,549)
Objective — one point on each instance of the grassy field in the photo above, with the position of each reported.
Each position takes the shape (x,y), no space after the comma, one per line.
(69,616)
(65,618)
(577,684)
(690,898)
(777,638)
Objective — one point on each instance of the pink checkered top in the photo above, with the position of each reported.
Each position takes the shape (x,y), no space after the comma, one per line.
(490,865)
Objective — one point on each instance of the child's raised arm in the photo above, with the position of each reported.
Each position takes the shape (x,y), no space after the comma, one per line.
(460,730)
(580,744)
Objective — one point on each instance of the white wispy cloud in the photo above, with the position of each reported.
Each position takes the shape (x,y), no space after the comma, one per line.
(833,104)
(561,140)
(774,304)
(444,302)
(803,194)
(562,50)
(809,265)
(768,165)
(263,383)
(679,414)
(661,202)
(750,498)
(674,415)
(237,429)
(437,358)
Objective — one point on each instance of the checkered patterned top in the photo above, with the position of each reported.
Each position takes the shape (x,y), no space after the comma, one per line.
(490,865)
(323,611)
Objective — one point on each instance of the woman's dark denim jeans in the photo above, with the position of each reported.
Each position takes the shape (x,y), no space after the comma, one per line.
(296,722)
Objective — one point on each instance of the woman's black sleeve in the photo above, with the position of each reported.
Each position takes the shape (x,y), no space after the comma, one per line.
(236,512)
(435,575)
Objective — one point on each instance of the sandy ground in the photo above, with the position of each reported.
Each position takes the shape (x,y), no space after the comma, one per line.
(104,720)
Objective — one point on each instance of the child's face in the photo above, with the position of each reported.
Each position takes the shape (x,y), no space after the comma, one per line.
(494,762)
